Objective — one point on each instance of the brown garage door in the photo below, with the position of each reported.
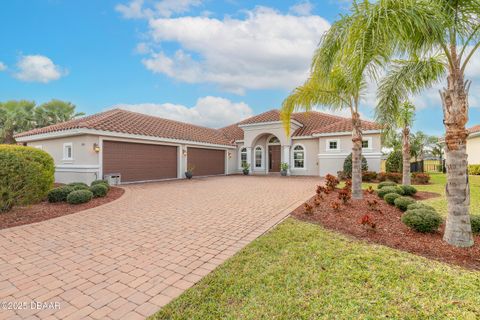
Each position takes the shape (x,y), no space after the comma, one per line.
(139,162)
(207,162)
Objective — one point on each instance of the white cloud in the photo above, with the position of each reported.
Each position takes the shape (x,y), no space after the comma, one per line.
(37,68)
(3,66)
(137,9)
(213,112)
(265,50)
(302,8)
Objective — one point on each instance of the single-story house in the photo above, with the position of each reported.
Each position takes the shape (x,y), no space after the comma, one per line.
(137,147)
(473,145)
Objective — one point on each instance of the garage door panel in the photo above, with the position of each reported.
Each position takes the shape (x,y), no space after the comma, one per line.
(207,162)
(139,162)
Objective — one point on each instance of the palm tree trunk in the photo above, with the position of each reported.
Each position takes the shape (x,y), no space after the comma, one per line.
(458,230)
(356,156)
(406,156)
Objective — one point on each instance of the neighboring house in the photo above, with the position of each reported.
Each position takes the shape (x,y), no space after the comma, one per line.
(473,145)
(140,147)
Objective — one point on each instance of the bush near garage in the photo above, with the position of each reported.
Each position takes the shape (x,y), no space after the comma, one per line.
(402,203)
(59,194)
(347,165)
(78,186)
(422,220)
(79,196)
(390,198)
(104,182)
(99,190)
(26,175)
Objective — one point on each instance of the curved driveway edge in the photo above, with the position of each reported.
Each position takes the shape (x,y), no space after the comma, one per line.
(128,258)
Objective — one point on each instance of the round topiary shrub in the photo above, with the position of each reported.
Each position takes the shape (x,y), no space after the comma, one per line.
(386,190)
(59,194)
(78,184)
(394,162)
(99,190)
(408,190)
(402,203)
(390,197)
(347,165)
(79,196)
(386,184)
(475,221)
(26,174)
(422,220)
(419,205)
(105,182)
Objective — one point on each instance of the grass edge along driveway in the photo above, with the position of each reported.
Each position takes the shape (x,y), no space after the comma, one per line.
(302,271)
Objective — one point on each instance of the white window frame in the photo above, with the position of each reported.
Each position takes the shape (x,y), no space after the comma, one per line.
(262,166)
(327,145)
(65,155)
(304,157)
(240,156)
(370,145)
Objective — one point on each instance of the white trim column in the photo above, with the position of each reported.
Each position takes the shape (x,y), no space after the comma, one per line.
(249,158)
(286,157)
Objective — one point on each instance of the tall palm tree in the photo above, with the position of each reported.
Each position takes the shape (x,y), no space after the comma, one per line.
(432,38)
(55,111)
(15,116)
(398,116)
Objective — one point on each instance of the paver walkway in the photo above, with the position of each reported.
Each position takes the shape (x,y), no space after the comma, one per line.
(127,259)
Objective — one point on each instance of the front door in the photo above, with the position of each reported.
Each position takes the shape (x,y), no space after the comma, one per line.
(274,158)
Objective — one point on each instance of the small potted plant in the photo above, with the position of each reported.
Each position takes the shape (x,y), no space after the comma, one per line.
(246,168)
(189,172)
(283,168)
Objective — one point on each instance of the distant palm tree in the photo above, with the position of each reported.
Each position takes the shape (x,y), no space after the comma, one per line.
(15,116)
(55,111)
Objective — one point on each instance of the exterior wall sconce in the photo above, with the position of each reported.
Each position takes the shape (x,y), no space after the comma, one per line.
(229,155)
(96,147)
(184,152)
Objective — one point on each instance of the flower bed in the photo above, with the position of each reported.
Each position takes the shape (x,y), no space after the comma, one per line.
(387,228)
(46,210)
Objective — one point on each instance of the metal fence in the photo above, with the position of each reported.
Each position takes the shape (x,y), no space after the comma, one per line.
(423,166)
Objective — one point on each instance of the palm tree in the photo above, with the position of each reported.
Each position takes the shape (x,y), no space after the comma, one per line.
(432,38)
(398,116)
(55,111)
(15,116)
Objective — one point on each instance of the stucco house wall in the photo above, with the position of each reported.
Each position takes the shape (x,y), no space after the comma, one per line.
(311,157)
(473,149)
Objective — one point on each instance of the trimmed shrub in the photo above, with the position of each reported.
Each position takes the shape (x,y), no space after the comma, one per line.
(419,205)
(422,220)
(402,203)
(99,190)
(386,190)
(394,162)
(369,176)
(105,182)
(26,175)
(78,184)
(408,190)
(59,194)
(420,178)
(390,198)
(79,196)
(386,184)
(475,221)
(474,169)
(347,165)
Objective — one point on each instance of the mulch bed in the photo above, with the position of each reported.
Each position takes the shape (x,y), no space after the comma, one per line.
(390,230)
(44,210)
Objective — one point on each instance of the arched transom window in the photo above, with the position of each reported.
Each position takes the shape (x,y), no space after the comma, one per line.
(273,140)
(258,157)
(299,157)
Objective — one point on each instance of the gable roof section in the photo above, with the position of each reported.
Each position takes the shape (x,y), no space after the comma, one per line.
(122,121)
(313,122)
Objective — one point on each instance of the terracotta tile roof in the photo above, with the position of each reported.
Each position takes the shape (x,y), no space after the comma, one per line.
(474,129)
(313,122)
(123,121)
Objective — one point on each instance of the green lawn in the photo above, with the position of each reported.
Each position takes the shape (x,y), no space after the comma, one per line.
(302,271)
(438,185)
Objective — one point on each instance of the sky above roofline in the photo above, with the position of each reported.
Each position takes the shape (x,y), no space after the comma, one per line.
(206,62)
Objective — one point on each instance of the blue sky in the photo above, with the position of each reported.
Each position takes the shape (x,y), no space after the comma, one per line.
(202,61)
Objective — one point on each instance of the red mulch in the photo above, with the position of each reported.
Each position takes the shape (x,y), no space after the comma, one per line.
(44,210)
(389,230)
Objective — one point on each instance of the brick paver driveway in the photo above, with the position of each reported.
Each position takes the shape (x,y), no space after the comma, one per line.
(126,259)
